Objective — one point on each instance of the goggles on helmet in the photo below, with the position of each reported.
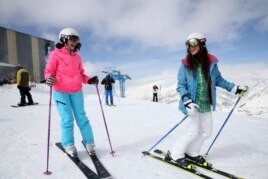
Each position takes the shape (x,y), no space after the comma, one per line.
(192,42)
(73,38)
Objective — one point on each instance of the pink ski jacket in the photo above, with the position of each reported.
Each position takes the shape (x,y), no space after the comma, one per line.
(68,70)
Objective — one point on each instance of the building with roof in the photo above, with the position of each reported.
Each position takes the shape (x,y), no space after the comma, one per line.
(17,48)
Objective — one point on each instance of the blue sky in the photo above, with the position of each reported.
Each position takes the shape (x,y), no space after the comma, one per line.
(146,37)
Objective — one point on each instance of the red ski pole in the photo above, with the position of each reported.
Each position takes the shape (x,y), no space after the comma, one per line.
(47,172)
(112,151)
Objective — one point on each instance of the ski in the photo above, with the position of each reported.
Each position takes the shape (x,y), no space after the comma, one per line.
(191,171)
(17,106)
(101,170)
(85,169)
(209,168)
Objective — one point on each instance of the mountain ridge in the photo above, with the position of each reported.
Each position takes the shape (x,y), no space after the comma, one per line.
(253,103)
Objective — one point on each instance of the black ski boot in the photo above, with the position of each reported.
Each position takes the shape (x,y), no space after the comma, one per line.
(198,159)
(184,163)
(181,161)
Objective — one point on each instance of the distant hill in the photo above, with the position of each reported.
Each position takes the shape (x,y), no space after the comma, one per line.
(254,103)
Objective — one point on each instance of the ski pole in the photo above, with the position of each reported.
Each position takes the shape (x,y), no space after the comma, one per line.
(116,95)
(167,134)
(47,172)
(103,96)
(112,151)
(237,101)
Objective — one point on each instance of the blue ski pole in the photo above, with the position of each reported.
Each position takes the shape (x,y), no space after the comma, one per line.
(237,101)
(167,134)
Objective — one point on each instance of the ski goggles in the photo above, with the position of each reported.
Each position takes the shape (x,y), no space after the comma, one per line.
(192,42)
(73,38)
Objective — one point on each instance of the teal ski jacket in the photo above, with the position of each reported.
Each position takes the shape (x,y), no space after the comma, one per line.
(187,83)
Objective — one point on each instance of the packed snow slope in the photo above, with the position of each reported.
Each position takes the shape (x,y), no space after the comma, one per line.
(254,103)
(134,126)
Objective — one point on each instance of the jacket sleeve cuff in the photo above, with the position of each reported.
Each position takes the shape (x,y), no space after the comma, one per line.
(187,102)
(185,98)
(234,89)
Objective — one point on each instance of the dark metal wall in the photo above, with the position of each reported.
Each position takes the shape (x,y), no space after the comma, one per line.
(26,50)
(45,46)
(3,46)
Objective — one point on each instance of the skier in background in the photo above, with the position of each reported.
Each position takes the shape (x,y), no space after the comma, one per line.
(108,86)
(198,78)
(4,81)
(64,71)
(23,79)
(155,93)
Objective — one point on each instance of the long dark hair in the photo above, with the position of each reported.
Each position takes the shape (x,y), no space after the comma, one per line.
(199,59)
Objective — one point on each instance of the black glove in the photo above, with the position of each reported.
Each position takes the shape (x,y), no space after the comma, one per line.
(51,81)
(191,108)
(93,81)
(240,90)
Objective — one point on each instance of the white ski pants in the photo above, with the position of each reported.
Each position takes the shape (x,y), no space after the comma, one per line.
(199,129)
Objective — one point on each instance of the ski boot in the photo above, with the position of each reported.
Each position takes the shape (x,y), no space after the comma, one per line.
(184,163)
(91,148)
(71,150)
(198,159)
(181,161)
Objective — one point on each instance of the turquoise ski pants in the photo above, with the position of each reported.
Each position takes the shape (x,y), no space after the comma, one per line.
(71,106)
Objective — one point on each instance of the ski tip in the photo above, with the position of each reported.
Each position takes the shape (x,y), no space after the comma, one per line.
(145,153)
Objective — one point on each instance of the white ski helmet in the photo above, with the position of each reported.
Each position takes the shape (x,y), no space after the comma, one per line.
(65,34)
(197,35)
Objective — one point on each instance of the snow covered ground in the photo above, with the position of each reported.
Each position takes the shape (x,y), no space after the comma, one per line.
(134,126)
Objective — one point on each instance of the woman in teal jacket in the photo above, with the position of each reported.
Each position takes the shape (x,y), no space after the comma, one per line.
(198,78)
(186,79)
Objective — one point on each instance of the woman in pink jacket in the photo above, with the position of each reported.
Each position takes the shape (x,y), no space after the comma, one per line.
(64,71)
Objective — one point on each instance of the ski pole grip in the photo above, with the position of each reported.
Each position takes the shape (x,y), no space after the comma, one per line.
(242,93)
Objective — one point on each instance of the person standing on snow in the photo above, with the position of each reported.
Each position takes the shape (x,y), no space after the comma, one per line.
(108,86)
(155,92)
(23,78)
(198,78)
(64,71)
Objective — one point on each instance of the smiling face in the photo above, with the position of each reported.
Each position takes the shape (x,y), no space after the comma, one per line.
(194,49)
(193,45)
(72,42)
